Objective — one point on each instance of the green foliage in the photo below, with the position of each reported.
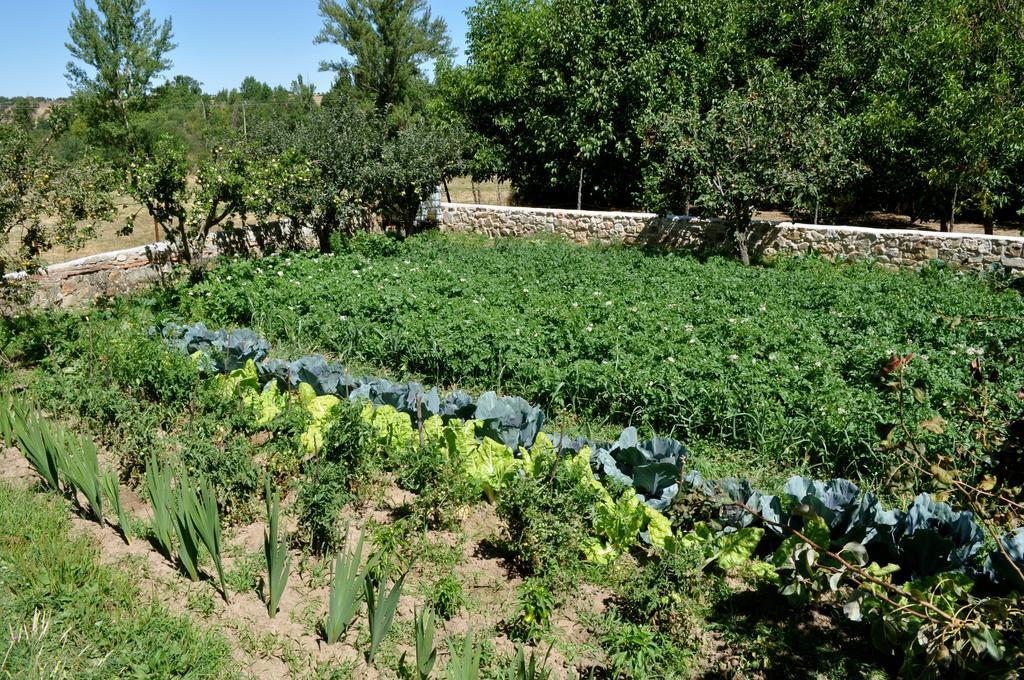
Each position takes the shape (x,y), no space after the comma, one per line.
(332,476)
(535,603)
(388,42)
(120,50)
(206,521)
(633,649)
(41,445)
(600,98)
(44,204)
(464,663)
(426,655)
(82,469)
(189,199)
(447,597)
(347,584)
(762,145)
(779,364)
(548,520)
(112,490)
(159,490)
(529,667)
(381,605)
(71,616)
(275,548)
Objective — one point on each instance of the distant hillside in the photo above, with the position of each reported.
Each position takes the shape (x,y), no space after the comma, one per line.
(35,108)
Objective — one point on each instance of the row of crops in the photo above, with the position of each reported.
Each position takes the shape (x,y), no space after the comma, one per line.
(781,364)
(500,436)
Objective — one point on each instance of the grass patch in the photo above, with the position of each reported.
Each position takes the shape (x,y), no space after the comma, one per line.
(69,616)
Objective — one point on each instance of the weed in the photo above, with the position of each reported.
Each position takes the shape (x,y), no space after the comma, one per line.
(447,597)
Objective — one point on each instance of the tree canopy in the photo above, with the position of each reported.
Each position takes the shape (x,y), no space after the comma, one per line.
(922,99)
(117,50)
(387,43)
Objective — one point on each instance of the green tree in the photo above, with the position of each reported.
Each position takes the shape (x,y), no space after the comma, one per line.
(387,43)
(337,144)
(44,204)
(188,199)
(117,49)
(762,144)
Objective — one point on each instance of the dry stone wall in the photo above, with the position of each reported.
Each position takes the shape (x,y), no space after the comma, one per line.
(106,275)
(890,247)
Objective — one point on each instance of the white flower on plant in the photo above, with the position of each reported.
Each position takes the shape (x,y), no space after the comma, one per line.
(590,327)
(762,307)
(343,317)
(817,364)
(734,357)
(975,351)
(608,303)
(671,360)
(280,273)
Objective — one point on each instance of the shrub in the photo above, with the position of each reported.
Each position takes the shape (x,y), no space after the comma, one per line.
(332,477)
(547,520)
(446,596)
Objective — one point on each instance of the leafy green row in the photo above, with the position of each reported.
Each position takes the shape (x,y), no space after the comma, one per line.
(781,361)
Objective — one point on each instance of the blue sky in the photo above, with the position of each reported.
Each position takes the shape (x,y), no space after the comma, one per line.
(219,42)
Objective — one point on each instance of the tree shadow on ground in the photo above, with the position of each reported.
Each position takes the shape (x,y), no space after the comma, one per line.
(759,634)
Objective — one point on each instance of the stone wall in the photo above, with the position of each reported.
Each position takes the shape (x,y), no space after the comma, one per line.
(890,247)
(109,274)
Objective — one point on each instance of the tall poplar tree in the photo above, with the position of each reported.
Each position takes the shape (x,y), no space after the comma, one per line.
(388,42)
(117,49)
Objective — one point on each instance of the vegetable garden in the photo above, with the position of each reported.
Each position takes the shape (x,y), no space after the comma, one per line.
(446,457)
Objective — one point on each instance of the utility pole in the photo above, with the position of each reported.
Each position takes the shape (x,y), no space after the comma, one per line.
(245,127)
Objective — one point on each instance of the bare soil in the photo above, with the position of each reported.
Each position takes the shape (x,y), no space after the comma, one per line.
(290,644)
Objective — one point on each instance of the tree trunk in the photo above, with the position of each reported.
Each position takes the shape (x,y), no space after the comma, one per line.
(323,237)
(989,222)
(952,208)
(742,226)
(579,192)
